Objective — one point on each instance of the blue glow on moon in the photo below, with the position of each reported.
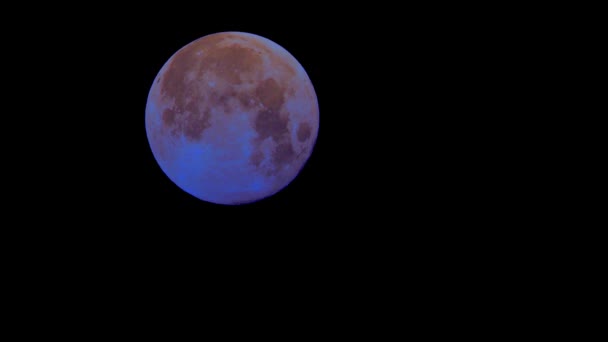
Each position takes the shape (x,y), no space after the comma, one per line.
(232,118)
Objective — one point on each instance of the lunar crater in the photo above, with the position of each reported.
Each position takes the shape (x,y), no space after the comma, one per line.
(304,131)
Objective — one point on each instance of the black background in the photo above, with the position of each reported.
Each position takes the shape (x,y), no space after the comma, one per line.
(410,183)
(421,201)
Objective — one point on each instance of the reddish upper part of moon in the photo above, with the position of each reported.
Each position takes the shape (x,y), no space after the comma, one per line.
(232,118)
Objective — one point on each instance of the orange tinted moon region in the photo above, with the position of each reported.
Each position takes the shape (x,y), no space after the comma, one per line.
(232,118)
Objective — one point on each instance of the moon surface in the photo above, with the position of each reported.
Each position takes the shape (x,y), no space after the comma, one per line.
(232,118)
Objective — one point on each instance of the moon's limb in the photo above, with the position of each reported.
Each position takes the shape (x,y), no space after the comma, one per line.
(232,118)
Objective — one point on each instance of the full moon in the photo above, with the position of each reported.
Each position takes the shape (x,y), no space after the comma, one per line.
(231,118)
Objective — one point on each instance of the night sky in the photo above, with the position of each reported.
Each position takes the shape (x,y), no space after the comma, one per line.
(420,188)
(400,98)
